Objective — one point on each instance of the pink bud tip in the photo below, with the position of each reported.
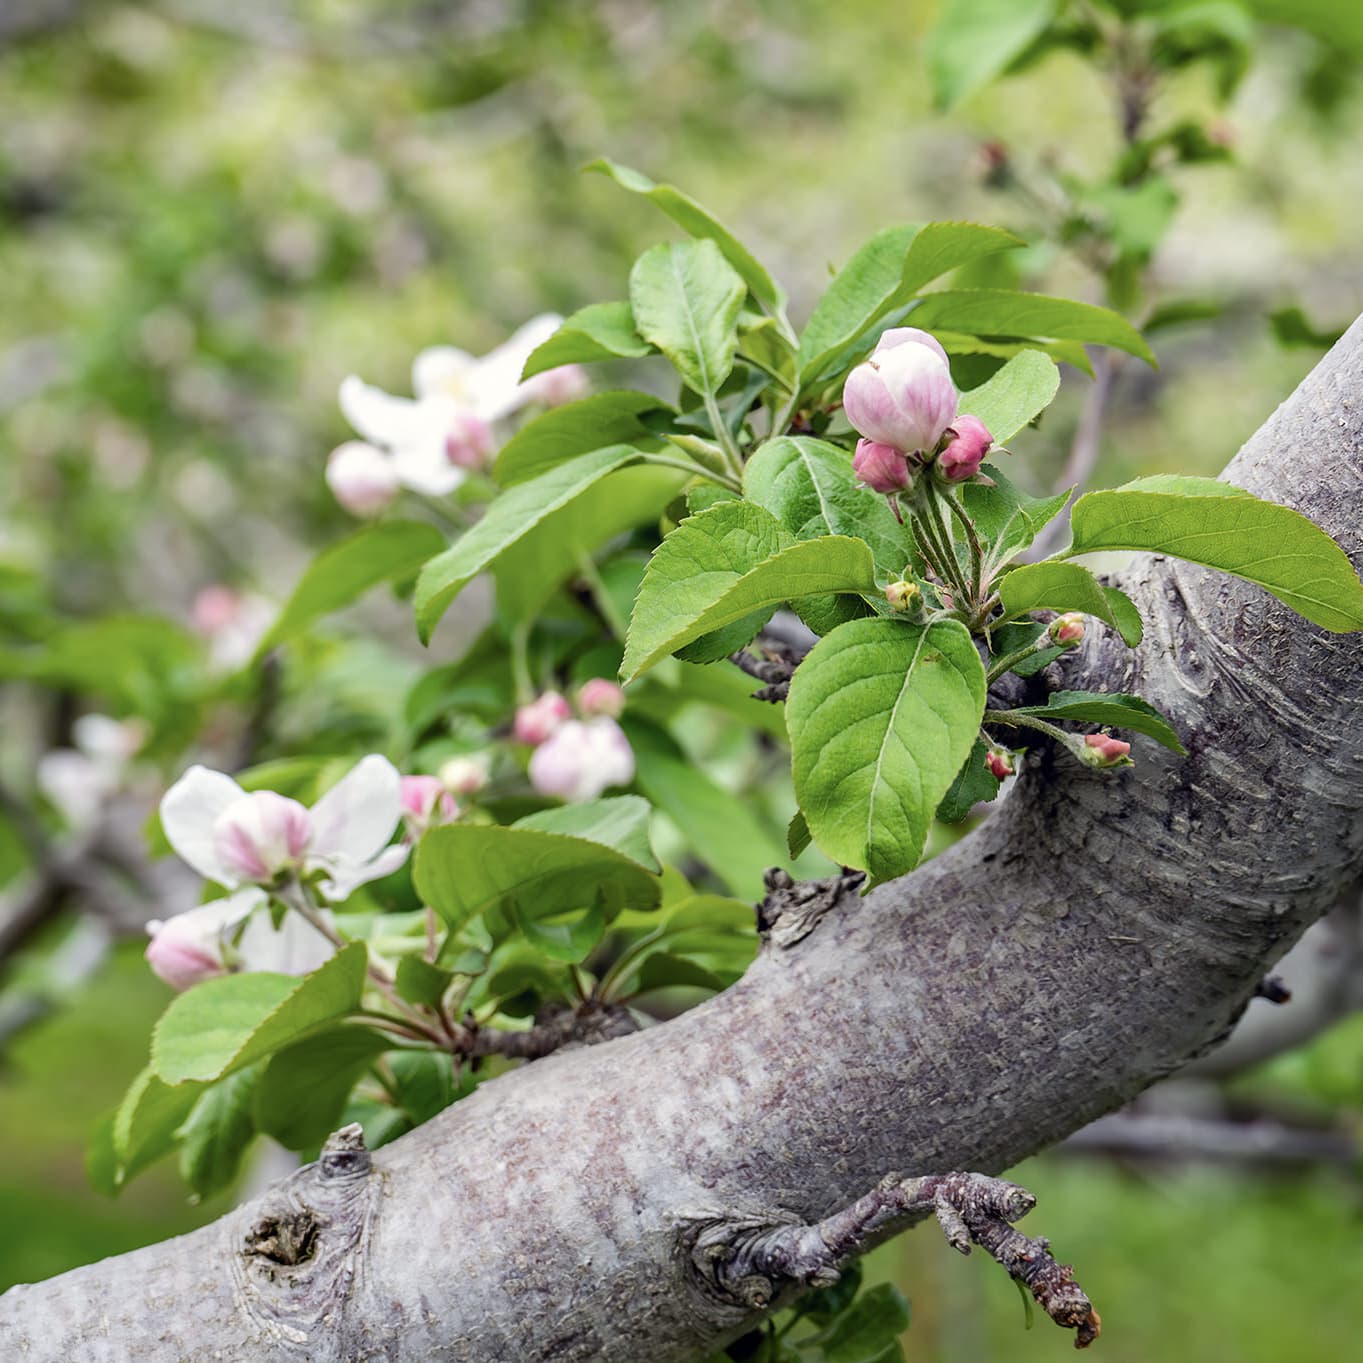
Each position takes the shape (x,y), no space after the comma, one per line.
(425,803)
(882,468)
(182,954)
(600,696)
(1068,629)
(903,395)
(537,720)
(1109,750)
(469,441)
(1000,763)
(968,442)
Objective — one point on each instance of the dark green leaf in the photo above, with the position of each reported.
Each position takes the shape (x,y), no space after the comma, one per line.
(975,784)
(303,1088)
(418,981)
(217,1132)
(1113,709)
(797,835)
(1005,517)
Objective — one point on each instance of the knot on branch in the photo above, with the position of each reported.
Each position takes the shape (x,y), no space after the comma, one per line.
(775,669)
(792,908)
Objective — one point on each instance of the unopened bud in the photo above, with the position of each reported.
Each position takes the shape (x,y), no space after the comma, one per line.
(183,951)
(425,803)
(882,468)
(600,696)
(362,478)
(468,444)
(582,759)
(903,395)
(903,596)
(465,775)
(968,441)
(1000,763)
(1102,750)
(537,720)
(1067,630)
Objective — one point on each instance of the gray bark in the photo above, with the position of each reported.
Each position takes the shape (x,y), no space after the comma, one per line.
(1093,935)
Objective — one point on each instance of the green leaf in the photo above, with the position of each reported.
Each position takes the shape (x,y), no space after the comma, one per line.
(797,835)
(809,486)
(1016,395)
(943,246)
(217,1132)
(343,573)
(974,784)
(976,40)
(531,570)
(1114,709)
(575,428)
(720,827)
(1058,587)
(467,869)
(882,714)
(686,298)
(663,970)
(1006,518)
(418,981)
(866,1332)
(693,218)
(1014,638)
(223,1024)
(569,940)
(727,564)
(620,822)
(425,1083)
(146,1123)
(509,518)
(1223,527)
(303,1088)
(1002,312)
(600,331)
(864,290)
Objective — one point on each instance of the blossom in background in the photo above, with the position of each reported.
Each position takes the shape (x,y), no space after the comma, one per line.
(426,802)
(466,775)
(79,779)
(232,622)
(581,758)
(211,940)
(537,720)
(429,442)
(236,838)
(599,696)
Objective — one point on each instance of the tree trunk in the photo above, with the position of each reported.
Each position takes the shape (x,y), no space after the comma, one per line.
(1095,933)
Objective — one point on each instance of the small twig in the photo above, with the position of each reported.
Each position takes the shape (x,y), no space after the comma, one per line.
(1173,1136)
(587,1024)
(775,669)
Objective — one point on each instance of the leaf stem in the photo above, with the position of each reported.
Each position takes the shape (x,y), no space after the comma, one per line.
(725,437)
(586,565)
(700,471)
(520,662)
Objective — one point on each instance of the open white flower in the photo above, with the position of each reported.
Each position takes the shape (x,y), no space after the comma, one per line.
(429,443)
(238,839)
(210,940)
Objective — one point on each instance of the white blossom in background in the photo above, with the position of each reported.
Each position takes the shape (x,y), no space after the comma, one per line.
(237,839)
(429,442)
(232,622)
(210,940)
(78,780)
(468,774)
(581,758)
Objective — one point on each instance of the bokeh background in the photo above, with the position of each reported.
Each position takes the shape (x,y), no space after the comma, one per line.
(209,214)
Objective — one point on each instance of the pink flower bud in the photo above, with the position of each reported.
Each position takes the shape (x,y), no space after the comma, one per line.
(1106,751)
(214,609)
(1067,630)
(554,387)
(261,835)
(904,335)
(967,444)
(903,596)
(536,721)
(465,775)
(582,759)
(1000,763)
(902,396)
(881,467)
(361,477)
(426,803)
(183,952)
(469,442)
(599,696)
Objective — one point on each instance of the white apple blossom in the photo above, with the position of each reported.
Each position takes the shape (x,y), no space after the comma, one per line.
(236,838)
(429,442)
(233,623)
(79,779)
(211,940)
(580,759)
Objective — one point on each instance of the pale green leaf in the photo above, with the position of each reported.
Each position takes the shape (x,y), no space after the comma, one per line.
(976,40)
(882,714)
(600,331)
(1068,587)
(1015,396)
(303,1088)
(1006,518)
(223,1024)
(620,822)
(686,297)
(575,428)
(1223,527)
(943,246)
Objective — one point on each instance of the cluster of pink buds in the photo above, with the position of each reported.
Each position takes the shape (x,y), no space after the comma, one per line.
(577,759)
(903,403)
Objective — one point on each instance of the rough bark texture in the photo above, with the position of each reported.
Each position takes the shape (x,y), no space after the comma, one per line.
(1097,932)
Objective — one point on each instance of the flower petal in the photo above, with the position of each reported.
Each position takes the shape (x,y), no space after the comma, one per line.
(357,816)
(495,389)
(378,416)
(189,814)
(442,369)
(295,948)
(346,875)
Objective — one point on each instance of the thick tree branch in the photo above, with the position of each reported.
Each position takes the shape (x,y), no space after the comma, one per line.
(1094,934)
